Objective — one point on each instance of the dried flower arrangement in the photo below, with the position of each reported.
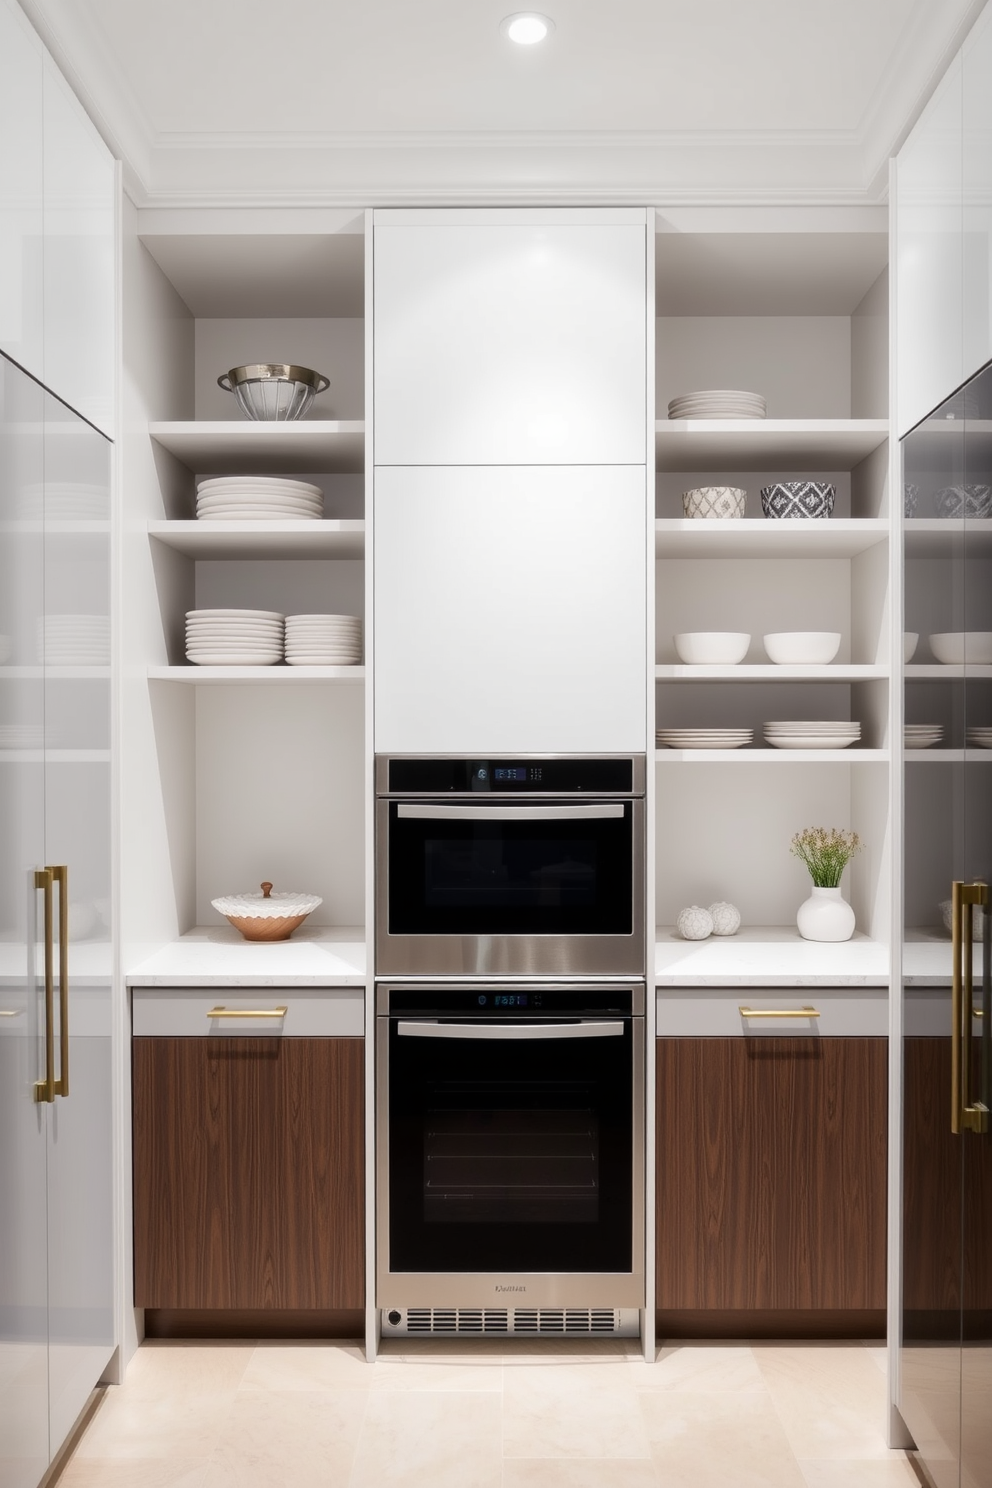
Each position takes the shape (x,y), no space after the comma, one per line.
(826,851)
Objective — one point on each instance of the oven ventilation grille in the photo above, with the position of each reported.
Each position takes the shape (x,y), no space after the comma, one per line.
(560,1320)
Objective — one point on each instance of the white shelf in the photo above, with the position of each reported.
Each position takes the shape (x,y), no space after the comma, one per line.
(54,673)
(760,756)
(35,527)
(54,756)
(202,539)
(768,956)
(942,537)
(271,675)
(219,956)
(765,444)
(934,756)
(226,447)
(769,672)
(761,537)
(938,672)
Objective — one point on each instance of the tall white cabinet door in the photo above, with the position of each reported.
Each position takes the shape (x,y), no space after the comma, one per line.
(510,609)
(977,193)
(80,257)
(76,635)
(24,1438)
(20,191)
(929,251)
(509,337)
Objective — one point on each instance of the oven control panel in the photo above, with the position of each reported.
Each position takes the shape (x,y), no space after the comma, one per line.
(522,776)
(510,1002)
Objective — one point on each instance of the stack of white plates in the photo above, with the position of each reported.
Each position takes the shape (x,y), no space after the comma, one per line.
(717,403)
(250,498)
(22,736)
(922,735)
(705,738)
(980,737)
(323,640)
(812,734)
(234,637)
(74,640)
(65,501)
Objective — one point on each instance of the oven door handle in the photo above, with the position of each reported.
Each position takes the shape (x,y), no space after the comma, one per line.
(509,1030)
(417,812)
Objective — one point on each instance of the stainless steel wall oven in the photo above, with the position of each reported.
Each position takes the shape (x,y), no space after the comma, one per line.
(510,867)
(510,1154)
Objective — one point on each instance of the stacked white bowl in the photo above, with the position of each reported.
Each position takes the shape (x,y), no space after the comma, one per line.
(958,647)
(251,498)
(323,640)
(802,647)
(812,734)
(922,735)
(717,403)
(234,637)
(712,647)
(74,640)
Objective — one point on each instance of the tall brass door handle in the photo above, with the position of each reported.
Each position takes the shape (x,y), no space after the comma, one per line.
(44,1090)
(60,875)
(966,1114)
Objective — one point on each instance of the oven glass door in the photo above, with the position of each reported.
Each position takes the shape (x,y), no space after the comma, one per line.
(524,869)
(510,1145)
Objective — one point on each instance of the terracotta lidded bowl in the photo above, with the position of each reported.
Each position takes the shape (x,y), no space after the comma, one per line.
(266,916)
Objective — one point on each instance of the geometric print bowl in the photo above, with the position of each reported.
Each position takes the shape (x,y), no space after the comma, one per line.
(964,501)
(714,501)
(798,499)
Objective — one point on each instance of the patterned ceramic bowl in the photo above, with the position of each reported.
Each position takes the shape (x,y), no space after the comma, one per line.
(266,916)
(714,501)
(798,499)
(910,500)
(964,501)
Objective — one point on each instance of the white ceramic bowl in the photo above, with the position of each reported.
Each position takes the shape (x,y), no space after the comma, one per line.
(910,641)
(802,647)
(712,647)
(951,647)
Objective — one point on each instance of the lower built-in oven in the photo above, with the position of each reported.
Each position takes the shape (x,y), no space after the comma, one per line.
(510,1157)
(507,867)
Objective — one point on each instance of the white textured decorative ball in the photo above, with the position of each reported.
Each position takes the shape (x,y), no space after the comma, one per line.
(726,918)
(694,923)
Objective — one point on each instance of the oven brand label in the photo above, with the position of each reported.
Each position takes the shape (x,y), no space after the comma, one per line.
(511,1288)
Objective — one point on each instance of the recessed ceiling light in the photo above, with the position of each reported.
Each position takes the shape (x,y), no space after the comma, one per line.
(526,27)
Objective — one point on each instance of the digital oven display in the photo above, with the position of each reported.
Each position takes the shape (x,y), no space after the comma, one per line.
(506,999)
(504,772)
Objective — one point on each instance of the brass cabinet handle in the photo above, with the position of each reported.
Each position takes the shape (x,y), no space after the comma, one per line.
(804,1012)
(44,1090)
(224,1012)
(966,1115)
(11,1012)
(60,875)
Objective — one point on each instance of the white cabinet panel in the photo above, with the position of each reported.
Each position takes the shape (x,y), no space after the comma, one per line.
(20,191)
(510,609)
(929,247)
(977,193)
(508,343)
(80,257)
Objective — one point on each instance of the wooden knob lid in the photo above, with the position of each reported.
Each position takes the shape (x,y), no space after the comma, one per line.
(266,890)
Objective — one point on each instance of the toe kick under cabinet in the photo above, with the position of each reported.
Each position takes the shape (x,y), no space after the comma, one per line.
(248,1155)
(771,1162)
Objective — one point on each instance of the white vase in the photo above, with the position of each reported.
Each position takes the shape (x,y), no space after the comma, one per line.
(825,916)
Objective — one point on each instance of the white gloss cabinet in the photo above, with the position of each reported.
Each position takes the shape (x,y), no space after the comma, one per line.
(510,609)
(976,169)
(21,206)
(79,257)
(929,252)
(510,337)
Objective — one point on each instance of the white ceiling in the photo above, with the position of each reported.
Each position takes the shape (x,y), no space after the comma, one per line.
(256,102)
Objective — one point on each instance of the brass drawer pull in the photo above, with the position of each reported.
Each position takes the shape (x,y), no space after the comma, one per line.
(805,1012)
(224,1012)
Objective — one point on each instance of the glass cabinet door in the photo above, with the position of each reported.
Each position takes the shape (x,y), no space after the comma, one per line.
(24,1438)
(947,1261)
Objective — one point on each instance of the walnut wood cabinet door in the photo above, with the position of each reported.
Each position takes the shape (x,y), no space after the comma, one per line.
(248,1173)
(771,1174)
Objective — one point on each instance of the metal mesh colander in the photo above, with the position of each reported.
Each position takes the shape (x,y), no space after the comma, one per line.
(273,391)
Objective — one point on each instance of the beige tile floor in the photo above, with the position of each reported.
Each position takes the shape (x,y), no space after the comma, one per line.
(480,1415)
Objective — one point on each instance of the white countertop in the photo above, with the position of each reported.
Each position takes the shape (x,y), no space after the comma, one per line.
(219,956)
(768,956)
(926,959)
(91,963)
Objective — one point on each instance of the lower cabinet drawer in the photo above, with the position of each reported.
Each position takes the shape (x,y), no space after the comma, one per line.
(729,1012)
(248,1172)
(261,1012)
